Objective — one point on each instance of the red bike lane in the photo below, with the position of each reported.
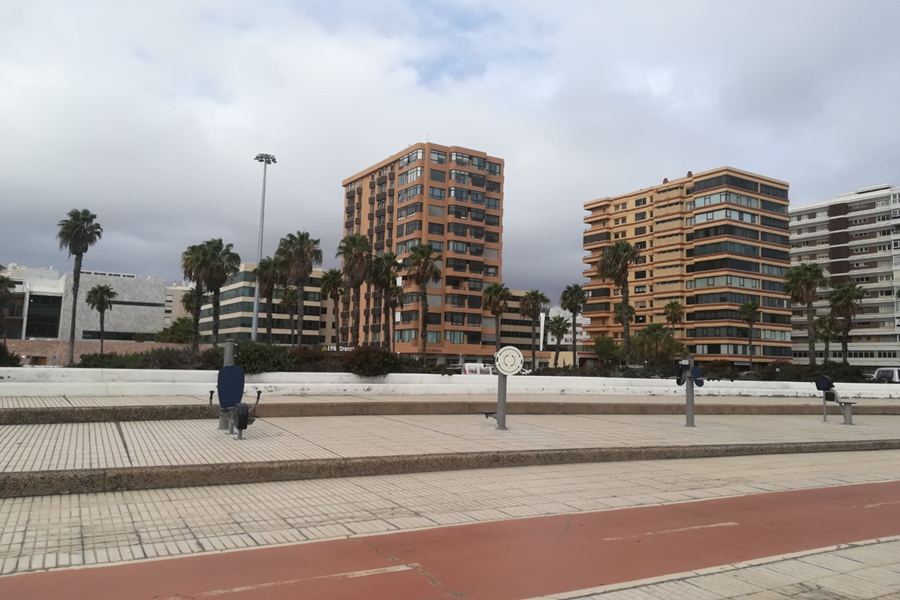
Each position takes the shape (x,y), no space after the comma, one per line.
(502,560)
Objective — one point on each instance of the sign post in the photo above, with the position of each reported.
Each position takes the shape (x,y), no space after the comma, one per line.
(509,361)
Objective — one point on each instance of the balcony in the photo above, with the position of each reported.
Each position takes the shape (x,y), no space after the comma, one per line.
(371,184)
(391,175)
(668,210)
(349,194)
(359,191)
(382,179)
(659,227)
(381,196)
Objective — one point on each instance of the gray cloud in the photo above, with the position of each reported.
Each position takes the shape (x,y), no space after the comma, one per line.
(150,113)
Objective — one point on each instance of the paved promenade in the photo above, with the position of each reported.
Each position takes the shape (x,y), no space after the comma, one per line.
(52,447)
(85,529)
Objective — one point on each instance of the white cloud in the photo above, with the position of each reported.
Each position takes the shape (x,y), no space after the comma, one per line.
(150,113)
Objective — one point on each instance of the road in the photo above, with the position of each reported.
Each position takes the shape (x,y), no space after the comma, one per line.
(503,560)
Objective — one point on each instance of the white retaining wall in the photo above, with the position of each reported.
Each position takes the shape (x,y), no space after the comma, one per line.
(139,382)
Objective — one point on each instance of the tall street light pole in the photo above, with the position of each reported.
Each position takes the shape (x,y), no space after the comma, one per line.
(266,160)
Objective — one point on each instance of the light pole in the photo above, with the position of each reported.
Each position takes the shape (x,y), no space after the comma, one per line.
(266,160)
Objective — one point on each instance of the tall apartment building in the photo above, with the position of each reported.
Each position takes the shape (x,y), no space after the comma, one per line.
(451,198)
(854,236)
(712,241)
(236,313)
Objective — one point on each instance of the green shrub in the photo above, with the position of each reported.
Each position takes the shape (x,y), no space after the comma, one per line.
(168,358)
(111,361)
(8,358)
(719,369)
(304,360)
(784,371)
(211,359)
(140,338)
(262,358)
(371,362)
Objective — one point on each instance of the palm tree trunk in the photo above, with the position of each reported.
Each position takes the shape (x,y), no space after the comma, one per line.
(556,355)
(750,346)
(216,309)
(102,329)
(499,330)
(423,302)
(269,298)
(3,323)
(811,332)
(827,348)
(337,325)
(533,351)
(574,339)
(393,329)
(355,332)
(626,324)
(76,281)
(845,341)
(386,316)
(301,291)
(195,315)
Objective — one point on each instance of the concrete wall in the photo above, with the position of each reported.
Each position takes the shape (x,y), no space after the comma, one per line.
(54,382)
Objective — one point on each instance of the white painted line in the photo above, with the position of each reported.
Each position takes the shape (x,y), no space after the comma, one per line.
(696,527)
(263,586)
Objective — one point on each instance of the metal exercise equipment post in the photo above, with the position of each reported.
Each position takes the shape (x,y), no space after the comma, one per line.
(508,361)
(688,375)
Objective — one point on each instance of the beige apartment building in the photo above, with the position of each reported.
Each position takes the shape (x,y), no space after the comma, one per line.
(710,241)
(452,198)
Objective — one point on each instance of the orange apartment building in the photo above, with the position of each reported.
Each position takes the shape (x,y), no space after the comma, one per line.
(712,241)
(452,198)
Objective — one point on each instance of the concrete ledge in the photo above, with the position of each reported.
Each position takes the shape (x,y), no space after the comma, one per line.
(98,414)
(139,478)
(130,382)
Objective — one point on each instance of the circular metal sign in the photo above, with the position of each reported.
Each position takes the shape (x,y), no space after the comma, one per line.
(509,360)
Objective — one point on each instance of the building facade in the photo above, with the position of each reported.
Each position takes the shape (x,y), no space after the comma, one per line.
(712,242)
(853,237)
(451,198)
(42,305)
(236,313)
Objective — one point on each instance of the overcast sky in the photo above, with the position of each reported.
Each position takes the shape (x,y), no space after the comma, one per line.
(150,113)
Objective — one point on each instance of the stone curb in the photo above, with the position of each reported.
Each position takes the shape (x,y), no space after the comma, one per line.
(83,481)
(96,414)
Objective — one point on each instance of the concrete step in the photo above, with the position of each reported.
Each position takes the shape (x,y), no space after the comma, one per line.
(270,409)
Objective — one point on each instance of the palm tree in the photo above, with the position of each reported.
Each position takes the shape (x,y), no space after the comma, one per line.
(572,299)
(383,276)
(531,307)
(656,344)
(827,330)
(846,302)
(269,275)
(6,288)
(674,312)
(332,287)
(356,252)
(100,298)
(802,283)
(618,311)
(424,267)
(192,262)
(615,265)
(750,316)
(219,263)
(289,306)
(496,297)
(76,235)
(396,297)
(300,253)
(558,327)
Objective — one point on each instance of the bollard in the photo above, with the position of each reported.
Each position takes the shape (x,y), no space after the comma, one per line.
(501,402)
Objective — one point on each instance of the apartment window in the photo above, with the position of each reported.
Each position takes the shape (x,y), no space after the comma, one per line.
(641,216)
(476,197)
(455,337)
(492,220)
(620,221)
(438,175)
(436,193)
(436,246)
(459,194)
(884,218)
(460,212)
(406,335)
(457,247)
(493,203)
(477,214)
(493,169)
(436,229)
(492,186)
(492,237)
(640,202)
(861,250)
(459,158)
(455,318)
(858,221)
(640,230)
(435,210)
(411,158)
(438,157)
(490,271)
(640,289)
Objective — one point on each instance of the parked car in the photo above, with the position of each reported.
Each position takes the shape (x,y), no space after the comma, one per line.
(454,369)
(887,376)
